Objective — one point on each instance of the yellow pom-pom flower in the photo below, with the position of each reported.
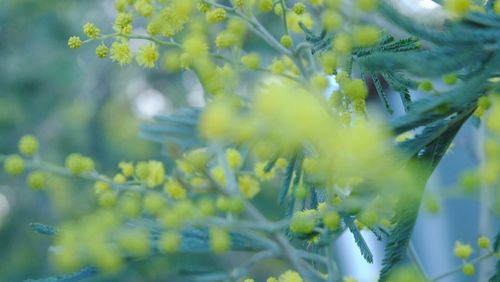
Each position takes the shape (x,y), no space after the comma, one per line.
(290,276)
(77,164)
(28,145)
(174,189)
(126,168)
(37,180)
(468,269)
(74,42)
(249,187)
(342,43)
(299,8)
(462,251)
(147,55)
(286,41)
(156,174)
(483,242)
(102,51)
(233,158)
(303,221)
(458,7)
(365,36)
(331,220)
(170,242)
(216,15)
(356,89)
(219,240)
(121,53)
(251,61)
(91,30)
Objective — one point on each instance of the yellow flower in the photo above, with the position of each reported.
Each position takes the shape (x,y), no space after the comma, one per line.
(170,242)
(156,174)
(286,41)
(331,20)
(216,15)
(153,203)
(331,220)
(290,276)
(260,172)
(119,178)
(174,189)
(218,175)
(458,7)
(278,67)
(102,51)
(303,221)
(342,43)
(147,55)
(91,30)
(217,120)
(121,53)
(233,158)
(251,61)
(462,251)
(299,8)
(28,145)
(77,164)
(483,242)
(219,240)
(37,180)
(126,168)
(468,269)
(365,36)
(249,187)
(74,42)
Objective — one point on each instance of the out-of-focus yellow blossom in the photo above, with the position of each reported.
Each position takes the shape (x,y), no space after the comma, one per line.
(290,276)
(251,61)
(294,19)
(216,15)
(233,157)
(219,240)
(249,187)
(175,190)
(462,251)
(28,145)
(304,221)
(170,242)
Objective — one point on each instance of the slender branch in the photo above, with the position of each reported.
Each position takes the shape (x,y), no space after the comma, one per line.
(459,268)
(412,253)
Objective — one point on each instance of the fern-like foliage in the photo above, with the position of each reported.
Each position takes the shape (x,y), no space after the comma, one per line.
(431,152)
(358,238)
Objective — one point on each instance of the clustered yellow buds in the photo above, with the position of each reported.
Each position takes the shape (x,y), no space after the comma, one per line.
(102,51)
(216,15)
(299,8)
(462,251)
(78,164)
(74,42)
(91,30)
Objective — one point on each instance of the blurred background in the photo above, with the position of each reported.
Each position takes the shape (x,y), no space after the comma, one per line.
(74,102)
